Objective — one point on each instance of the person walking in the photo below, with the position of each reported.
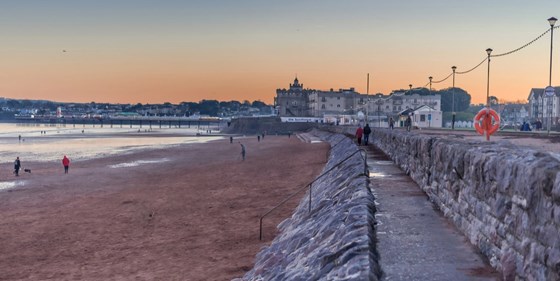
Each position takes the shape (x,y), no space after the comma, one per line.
(367,131)
(230,139)
(242,151)
(408,123)
(359,134)
(66,164)
(391,123)
(17,165)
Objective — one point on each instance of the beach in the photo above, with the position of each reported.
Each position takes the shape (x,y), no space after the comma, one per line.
(189,211)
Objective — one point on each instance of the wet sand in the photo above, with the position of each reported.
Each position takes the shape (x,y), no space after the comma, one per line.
(193,216)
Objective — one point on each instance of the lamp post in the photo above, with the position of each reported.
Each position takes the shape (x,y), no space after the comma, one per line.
(430,108)
(488,51)
(551,21)
(409,87)
(367,98)
(430,83)
(453,100)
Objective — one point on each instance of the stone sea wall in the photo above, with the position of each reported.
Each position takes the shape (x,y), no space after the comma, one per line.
(336,240)
(504,198)
(270,125)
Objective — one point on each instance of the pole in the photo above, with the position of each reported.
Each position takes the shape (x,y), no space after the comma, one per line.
(367,98)
(488,80)
(430,84)
(453,100)
(429,106)
(550,99)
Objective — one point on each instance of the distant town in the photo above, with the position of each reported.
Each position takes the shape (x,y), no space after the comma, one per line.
(13,109)
(428,108)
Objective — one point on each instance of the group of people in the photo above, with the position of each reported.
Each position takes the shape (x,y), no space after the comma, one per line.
(363,133)
(366,131)
(17,165)
(526,127)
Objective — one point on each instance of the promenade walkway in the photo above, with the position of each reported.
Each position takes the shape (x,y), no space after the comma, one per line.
(415,241)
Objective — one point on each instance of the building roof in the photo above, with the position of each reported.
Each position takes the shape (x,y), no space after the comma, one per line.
(539,92)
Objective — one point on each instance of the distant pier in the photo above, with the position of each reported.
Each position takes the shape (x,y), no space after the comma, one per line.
(125,121)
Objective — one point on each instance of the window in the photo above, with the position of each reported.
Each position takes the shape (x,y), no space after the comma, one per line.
(338,105)
(323,99)
(338,98)
(422,118)
(323,106)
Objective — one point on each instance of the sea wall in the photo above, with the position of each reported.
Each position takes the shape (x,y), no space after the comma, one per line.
(336,240)
(504,198)
(270,125)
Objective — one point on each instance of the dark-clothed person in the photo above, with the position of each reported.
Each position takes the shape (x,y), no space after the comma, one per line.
(242,151)
(408,123)
(367,131)
(17,165)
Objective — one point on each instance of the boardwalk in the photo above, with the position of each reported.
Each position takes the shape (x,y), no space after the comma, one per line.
(415,241)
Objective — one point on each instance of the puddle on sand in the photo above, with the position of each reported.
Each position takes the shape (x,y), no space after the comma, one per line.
(138,163)
(10,184)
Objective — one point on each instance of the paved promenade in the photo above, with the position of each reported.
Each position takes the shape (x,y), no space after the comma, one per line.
(415,241)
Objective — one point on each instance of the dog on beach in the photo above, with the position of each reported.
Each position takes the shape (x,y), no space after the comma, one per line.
(27,170)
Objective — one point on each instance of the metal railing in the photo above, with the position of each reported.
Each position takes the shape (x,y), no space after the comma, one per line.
(310,185)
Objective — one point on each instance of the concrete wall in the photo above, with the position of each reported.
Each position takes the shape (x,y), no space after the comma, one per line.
(505,199)
(270,125)
(336,240)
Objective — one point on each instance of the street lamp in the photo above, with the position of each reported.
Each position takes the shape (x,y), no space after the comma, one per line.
(488,51)
(552,21)
(430,83)
(453,100)
(430,108)
(367,98)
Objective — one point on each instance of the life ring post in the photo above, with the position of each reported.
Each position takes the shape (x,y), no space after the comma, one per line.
(487,122)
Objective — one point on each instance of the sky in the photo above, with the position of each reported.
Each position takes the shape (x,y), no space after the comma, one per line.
(156,51)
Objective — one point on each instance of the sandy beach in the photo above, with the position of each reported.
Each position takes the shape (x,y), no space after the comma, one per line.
(189,212)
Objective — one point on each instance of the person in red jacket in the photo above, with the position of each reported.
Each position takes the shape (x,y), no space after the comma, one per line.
(66,164)
(359,134)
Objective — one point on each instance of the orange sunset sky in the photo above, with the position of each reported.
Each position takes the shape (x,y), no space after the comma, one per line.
(126,51)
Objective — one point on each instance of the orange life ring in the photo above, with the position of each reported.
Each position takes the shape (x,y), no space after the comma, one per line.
(483,122)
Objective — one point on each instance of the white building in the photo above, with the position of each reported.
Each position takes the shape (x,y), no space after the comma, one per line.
(426,117)
(541,106)
(348,106)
